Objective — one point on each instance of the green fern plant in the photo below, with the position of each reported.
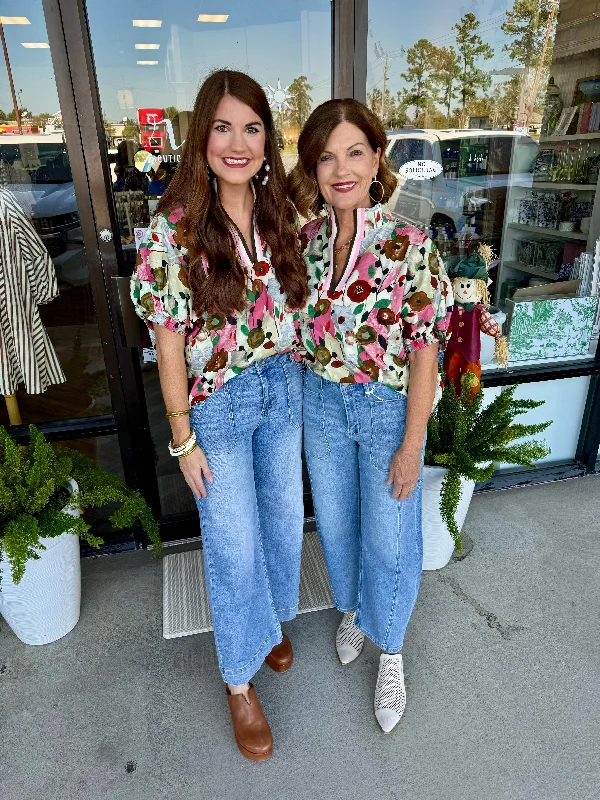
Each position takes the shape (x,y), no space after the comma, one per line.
(461,436)
(33,492)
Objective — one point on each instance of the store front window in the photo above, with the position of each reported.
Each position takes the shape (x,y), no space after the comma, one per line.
(150,61)
(51,358)
(505,100)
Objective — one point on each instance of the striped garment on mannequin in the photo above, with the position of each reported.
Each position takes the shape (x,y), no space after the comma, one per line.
(27,279)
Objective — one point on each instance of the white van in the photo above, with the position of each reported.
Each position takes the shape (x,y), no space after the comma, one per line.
(475,169)
(35,168)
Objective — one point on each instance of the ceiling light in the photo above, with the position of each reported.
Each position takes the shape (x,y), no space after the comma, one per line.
(147,23)
(33,45)
(147,46)
(14,21)
(148,63)
(213,17)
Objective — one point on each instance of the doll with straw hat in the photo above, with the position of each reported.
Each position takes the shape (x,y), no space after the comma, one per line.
(470,317)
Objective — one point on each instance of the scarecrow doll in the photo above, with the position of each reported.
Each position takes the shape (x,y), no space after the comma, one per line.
(470,317)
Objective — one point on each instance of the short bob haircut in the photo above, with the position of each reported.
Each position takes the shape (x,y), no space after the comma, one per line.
(302,181)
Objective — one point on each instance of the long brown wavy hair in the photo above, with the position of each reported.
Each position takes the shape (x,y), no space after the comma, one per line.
(206,226)
(302,181)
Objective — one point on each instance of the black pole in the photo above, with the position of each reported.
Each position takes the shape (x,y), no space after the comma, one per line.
(10,79)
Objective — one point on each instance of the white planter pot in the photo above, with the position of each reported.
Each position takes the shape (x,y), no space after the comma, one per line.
(45,605)
(438,544)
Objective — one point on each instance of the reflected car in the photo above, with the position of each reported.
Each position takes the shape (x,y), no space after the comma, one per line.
(37,171)
(477,166)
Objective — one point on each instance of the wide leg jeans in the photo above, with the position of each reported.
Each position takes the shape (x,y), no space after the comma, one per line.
(252,519)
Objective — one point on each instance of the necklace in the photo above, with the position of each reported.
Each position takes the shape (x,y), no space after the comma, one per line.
(337,250)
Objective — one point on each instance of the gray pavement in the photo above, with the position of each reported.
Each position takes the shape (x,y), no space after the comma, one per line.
(502,658)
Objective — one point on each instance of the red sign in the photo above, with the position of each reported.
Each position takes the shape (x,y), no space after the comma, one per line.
(150,116)
(153,140)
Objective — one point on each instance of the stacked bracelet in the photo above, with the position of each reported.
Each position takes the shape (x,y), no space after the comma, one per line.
(185,448)
(170,414)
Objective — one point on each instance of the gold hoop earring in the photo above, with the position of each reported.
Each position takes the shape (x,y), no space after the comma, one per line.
(375,199)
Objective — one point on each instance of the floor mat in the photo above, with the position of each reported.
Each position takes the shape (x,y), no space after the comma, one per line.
(185,601)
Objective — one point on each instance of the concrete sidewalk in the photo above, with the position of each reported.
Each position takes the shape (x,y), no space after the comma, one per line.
(503,672)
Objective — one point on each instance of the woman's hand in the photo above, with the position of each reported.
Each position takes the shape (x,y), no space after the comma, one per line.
(404,472)
(194,468)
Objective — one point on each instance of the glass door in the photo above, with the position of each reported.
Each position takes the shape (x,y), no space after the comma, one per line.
(150,60)
(54,370)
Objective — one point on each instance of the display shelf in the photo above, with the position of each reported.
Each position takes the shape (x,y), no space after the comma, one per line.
(571,235)
(540,273)
(573,137)
(567,187)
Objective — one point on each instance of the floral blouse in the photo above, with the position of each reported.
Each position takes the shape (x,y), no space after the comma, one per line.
(393,299)
(218,347)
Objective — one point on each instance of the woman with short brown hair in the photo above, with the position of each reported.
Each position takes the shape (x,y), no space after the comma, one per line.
(377,311)
(219,280)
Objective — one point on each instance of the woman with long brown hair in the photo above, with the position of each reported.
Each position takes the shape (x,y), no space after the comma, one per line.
(376,314)
(217,280)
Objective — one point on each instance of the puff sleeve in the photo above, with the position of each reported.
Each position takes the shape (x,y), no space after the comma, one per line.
(159,286)
(427,299)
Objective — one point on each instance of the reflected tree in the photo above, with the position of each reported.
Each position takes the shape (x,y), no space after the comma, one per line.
(530,25)
(445,76)
(472,50)
(419,77)
(300,102)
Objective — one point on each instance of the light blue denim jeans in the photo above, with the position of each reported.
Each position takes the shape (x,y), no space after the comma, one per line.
(252,518)
(373,544)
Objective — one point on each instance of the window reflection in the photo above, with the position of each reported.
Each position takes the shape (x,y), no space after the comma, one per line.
(505,98)
(52,354)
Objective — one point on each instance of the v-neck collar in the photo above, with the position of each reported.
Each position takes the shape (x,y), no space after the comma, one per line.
(364,220)
(248,258)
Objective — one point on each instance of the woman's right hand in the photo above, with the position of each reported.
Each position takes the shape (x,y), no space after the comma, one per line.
(194,468)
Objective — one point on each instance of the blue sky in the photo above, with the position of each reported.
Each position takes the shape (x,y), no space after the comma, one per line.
(394,28)
(279,39)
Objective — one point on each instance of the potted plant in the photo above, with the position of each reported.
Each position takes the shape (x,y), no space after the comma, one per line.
(42,488)
(464,443)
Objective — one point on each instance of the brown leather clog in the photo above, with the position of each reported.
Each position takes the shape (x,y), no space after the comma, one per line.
(281,656)
(252,732)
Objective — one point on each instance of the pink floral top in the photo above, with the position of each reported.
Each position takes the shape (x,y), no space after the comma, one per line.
(218,347)
(393,298)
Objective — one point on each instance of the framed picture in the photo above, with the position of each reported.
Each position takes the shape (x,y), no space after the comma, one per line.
(564,121)
(587,90)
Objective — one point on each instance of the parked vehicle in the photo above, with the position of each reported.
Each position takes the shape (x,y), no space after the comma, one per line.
(476,170)
(35,168)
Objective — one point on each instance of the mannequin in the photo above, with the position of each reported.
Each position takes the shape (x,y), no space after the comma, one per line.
(27,279)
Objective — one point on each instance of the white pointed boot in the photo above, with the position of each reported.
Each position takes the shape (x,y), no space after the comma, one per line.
(390,692)
(349,640)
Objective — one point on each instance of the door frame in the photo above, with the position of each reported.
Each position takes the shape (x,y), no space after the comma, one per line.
(72,59)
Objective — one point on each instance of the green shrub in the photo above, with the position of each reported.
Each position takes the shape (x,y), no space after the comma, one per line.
(461,436)
(33,492)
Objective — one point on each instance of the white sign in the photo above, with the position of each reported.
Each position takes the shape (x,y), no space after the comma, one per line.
(139,235)
(420,170)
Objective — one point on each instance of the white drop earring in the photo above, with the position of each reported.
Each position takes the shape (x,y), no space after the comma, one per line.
(265,180)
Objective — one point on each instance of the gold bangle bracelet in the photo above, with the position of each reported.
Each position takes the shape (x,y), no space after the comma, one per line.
(183,444)
(191,450)
(170,414)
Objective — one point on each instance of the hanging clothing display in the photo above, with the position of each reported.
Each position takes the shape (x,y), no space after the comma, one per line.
(27,279)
